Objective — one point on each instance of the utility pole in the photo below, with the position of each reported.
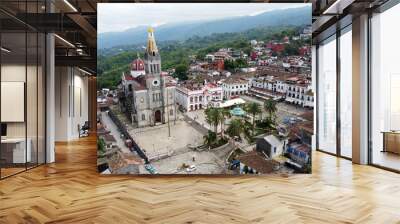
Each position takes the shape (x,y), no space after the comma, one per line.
(174,107)
(169,128)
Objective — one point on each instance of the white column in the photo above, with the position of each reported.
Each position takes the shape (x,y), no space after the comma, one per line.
(50,98)
(360,90)
(314,89)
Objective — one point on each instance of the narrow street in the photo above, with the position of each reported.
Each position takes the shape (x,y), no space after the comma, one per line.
(114,131)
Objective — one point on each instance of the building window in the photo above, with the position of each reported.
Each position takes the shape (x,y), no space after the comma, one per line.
(171,112)
(143,117)
(345,83)
(191,99)
(327,98)
(385,88)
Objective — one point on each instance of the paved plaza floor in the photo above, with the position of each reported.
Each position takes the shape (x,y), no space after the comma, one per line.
(206,163)
(168,153)
(200,117)
(155,140)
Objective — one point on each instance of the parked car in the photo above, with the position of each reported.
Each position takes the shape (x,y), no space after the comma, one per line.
(191,168)
(128,143)
(150,168)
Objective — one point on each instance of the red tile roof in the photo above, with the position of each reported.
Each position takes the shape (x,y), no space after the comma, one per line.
(128,77)
(257,161)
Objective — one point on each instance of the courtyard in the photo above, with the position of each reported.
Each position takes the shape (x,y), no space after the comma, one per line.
(156,142)
(206,162)
(173,154)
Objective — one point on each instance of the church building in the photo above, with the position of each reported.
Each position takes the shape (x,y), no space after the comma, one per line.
(151,94)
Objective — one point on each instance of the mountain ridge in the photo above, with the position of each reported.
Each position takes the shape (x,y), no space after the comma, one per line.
(183,31)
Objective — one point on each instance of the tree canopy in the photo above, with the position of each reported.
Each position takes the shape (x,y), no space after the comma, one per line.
(181,71)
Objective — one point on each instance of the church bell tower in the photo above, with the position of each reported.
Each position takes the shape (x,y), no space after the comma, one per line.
(152,62)
(155,83)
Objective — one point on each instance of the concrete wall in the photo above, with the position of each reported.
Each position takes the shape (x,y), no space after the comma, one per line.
(71,102)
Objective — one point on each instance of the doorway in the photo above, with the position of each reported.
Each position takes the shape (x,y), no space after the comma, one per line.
(157,116)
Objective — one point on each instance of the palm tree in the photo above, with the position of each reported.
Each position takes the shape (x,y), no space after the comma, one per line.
(213,118)
(253,108)
(224,114)
(270,107)
(210,138)
(235,128)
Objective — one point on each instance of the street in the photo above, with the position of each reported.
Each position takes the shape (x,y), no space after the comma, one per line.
(114,131)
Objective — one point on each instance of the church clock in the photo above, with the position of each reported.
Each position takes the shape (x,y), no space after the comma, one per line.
(156,82)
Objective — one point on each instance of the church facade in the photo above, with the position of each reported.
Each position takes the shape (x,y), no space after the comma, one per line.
(151,94)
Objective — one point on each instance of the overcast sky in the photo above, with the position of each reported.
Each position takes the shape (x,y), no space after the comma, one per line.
(122,16)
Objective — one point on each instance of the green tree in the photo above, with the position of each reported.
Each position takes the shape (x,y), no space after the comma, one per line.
(253,108)
(230,65)
(101,145)
(213,117)
(235,128)
(210,138)
(181,71)
(241,63)
(224,114)
(234,64)
(270,107)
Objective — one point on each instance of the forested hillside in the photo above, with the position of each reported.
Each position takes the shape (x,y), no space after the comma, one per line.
(113,61)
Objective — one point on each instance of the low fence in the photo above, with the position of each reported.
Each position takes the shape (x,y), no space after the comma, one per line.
(122,128)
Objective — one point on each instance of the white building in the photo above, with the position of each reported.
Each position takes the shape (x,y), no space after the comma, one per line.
(281,86)
(300,94)
(271,146)
(233,87)
(210,57)
(195,96)
(267,87)
(309,99)
(252,69)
